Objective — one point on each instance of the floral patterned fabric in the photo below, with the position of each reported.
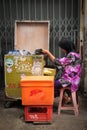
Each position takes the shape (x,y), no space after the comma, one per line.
(71,73)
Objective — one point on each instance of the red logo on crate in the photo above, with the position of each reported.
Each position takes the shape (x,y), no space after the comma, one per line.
(37,93)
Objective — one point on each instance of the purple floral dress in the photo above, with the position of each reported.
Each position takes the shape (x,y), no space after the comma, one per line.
(72,70)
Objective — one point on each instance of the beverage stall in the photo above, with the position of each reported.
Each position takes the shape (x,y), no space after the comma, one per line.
(25,75)
(22,61)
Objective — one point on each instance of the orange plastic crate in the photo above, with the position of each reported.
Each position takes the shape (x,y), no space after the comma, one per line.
(38,113)
(37,90)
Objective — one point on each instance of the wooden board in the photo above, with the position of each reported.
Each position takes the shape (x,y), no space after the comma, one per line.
(31,35)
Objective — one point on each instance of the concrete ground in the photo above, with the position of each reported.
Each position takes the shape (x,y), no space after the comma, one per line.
(12,118)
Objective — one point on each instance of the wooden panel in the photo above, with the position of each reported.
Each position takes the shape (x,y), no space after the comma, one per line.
(31,35)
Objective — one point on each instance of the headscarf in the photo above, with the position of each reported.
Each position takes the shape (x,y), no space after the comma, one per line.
(67,44)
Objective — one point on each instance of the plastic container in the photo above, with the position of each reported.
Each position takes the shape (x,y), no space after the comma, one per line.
(37,90)
(38,113)
(49,71)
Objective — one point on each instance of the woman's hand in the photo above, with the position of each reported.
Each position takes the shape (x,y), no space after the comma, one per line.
(49,54)
(45,51)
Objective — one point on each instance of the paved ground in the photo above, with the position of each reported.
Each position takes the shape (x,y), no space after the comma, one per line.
(10,118)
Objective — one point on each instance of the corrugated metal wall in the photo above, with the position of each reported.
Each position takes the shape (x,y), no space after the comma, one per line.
(63,16)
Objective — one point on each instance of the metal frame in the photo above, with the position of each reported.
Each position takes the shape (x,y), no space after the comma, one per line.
(60,24)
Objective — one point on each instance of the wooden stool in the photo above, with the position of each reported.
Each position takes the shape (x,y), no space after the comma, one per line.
(68,107)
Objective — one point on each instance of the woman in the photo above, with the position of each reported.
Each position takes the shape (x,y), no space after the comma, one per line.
(71,66)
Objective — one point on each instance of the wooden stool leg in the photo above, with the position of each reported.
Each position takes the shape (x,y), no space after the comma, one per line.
(60,101)
(75,103)
(70,107)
